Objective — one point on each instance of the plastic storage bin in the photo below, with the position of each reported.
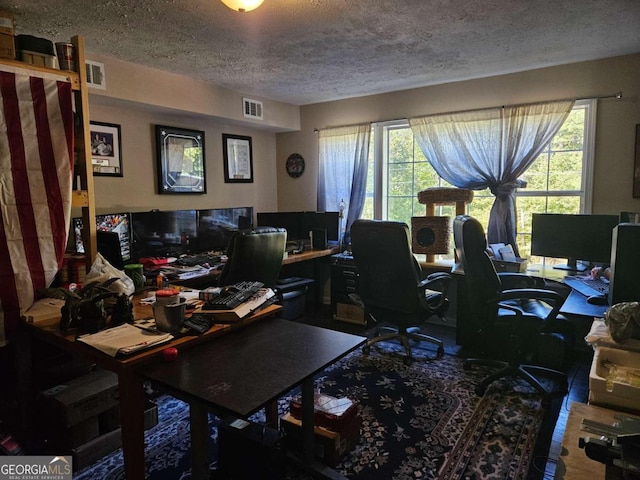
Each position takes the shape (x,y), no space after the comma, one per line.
(614,379)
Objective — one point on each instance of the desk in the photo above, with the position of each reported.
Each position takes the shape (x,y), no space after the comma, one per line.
(573,462)
(131,392)
(211,278)
(309,255)
(244,371)
(575,305)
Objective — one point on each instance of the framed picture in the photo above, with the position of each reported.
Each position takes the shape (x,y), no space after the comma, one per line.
(238,159)
(636,166)
(106,149)
(181,165)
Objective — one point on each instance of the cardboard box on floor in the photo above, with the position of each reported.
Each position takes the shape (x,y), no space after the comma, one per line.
(330,446)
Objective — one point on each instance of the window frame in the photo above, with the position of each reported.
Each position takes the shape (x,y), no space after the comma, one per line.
(380,144)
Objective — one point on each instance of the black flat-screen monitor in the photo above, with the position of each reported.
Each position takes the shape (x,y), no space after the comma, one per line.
(109,247)
(299,224)
(574,237)
(291,221)
(164,233)
(329,221)
(119,223)
(217,225)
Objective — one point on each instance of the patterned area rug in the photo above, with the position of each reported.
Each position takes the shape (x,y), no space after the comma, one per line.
(422,421)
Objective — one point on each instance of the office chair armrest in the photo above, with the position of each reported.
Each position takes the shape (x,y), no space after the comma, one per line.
(554,299)
(438,281)
(512,280)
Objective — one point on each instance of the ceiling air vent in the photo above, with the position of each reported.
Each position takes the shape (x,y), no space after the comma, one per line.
(252,108)
(95,75)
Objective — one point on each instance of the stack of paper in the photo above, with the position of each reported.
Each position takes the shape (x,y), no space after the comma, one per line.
(124,339)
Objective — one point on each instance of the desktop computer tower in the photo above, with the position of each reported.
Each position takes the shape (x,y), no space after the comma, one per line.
(625,264)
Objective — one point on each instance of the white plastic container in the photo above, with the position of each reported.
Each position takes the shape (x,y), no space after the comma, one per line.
(614,379)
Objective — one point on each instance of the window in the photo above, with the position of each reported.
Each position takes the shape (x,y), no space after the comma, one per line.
(559,180)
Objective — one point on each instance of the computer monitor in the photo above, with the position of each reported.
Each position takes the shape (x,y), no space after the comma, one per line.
(119,223)
(299,224)
(109,247)
(329,221)
(291,221)
(574,237)
(164,233)
(217,225)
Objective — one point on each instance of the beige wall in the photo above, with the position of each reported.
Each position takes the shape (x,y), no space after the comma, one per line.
(159,90)
(137,190)
(137,98)
(615,135)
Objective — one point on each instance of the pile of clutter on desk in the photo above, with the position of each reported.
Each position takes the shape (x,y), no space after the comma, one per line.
(614,383)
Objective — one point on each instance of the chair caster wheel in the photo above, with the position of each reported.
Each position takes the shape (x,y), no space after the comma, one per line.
(406,361)
(440,351)
(366,349)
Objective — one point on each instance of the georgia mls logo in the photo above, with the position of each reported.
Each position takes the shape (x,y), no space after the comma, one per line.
(35,468)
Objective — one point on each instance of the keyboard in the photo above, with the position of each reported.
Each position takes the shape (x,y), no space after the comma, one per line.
(199,259)
(233,295)
(589,287)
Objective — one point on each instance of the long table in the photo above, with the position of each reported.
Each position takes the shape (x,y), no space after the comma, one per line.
(573,463)
(210,278)
(244,371)
(130,383)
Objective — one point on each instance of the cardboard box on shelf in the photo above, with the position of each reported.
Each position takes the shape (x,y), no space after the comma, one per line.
(6,23)
(82,397)
(7,47)
(90,452)
(39,59)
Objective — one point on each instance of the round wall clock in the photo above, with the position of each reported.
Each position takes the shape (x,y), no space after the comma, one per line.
(295,165)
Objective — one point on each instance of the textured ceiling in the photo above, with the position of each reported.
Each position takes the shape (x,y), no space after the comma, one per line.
(308,51)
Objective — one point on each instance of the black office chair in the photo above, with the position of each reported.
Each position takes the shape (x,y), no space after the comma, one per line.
(511,320)
(254,254)
(391,287)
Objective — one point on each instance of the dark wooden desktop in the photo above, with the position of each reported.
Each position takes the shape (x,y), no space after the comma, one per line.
(309,255)
(225,377)
(131,392)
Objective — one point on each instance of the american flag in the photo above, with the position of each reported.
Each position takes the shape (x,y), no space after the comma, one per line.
(36,172)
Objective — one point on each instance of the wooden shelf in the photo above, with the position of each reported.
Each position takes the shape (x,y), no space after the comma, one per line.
(72,77)
(83,198)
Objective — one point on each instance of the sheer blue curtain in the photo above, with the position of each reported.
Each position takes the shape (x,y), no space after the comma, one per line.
(342,175)
(490,148)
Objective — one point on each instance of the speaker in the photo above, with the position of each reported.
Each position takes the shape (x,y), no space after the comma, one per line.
(625,264)
(319,238)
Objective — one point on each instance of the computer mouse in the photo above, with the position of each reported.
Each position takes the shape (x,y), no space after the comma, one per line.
(229,290)
(598,300)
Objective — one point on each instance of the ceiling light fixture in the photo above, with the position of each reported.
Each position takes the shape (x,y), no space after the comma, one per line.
(242,5)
